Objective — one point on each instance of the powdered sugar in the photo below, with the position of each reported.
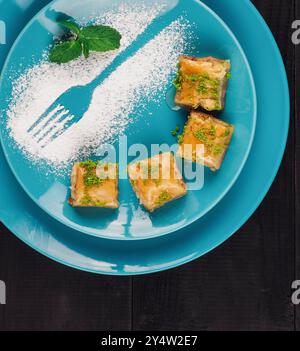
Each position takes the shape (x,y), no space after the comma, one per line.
(143,77)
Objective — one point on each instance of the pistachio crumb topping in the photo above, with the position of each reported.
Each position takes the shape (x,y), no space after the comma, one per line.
(217,149)
(175,132)
(208,136)
(226,133)
(90,177)
(88,201)
(163,198)
(177,82)
(203,84)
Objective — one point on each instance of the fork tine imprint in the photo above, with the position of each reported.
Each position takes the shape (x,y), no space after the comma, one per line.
(56,130)
(44,119)
(47,128)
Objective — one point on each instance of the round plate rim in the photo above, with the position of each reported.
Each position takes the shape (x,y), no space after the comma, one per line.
(262,193)
(192,220)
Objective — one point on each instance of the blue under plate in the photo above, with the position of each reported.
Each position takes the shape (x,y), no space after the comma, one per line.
(51,192)
(48,236)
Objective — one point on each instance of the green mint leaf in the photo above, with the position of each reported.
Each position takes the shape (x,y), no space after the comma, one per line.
(72,26)
(86,48)
(65,52)
(101,38)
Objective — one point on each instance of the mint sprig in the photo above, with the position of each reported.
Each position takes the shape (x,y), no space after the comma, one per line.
(91,38)
(101,38)
(66,52)
(72,26)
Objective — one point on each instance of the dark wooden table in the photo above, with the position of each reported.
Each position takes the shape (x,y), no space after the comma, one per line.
(245,284)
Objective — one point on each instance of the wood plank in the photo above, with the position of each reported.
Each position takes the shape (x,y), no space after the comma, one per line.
(297,163)
(44,295)
(245,283)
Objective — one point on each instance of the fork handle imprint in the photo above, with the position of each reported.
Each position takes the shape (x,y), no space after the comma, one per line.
(158,24)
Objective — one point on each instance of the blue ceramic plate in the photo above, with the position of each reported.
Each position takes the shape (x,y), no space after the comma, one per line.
(211,38)
(33,226)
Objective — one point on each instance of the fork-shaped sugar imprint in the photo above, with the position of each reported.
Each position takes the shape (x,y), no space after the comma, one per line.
(70,107)
(124,96)
(36,88)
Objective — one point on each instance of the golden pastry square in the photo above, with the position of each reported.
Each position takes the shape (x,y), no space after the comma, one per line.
(202,82)
(94,184)
(157,181)
(205,140)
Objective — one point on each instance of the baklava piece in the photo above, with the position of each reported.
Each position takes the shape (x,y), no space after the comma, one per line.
(94,184)
(157,181)
(202,82)
(205,140)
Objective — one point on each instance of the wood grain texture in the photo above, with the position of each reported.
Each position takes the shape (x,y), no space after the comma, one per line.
(297,163)
(44,295)
(243,285)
